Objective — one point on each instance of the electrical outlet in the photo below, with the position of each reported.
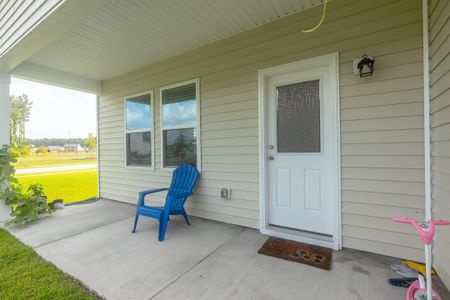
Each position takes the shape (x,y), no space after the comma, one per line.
(225,193)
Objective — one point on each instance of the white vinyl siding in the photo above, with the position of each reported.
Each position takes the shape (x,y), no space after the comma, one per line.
(440,130)
(381,119)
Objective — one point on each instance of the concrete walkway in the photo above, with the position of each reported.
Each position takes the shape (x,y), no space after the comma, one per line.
(208,260)
(55,169)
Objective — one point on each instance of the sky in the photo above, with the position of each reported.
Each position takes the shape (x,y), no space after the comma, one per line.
(57,112)
(179,113)
(138,112)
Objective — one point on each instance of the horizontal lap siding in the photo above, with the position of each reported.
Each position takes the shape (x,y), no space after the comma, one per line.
(381,119)
(440,133)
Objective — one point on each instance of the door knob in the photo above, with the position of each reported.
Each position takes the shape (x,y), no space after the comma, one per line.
(271,157)
(271,147)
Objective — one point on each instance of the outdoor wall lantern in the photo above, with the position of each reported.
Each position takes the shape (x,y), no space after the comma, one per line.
(363,66)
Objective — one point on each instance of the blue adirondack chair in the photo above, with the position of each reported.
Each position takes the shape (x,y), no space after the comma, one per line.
(183,182)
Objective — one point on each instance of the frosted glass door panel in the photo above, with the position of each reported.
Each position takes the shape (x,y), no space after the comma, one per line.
(298,117)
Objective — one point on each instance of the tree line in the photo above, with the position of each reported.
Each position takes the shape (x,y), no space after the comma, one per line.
(20,110)
(54,141)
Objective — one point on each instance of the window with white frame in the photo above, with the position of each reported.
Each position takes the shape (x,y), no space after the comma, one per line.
(179,124)
(139,130)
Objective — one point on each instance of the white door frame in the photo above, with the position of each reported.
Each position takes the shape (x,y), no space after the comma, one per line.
(332,61)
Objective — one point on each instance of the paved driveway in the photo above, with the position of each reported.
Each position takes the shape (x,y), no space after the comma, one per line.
(56,169)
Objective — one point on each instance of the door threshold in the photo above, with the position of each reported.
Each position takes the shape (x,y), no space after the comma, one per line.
(301,236)
(296,230)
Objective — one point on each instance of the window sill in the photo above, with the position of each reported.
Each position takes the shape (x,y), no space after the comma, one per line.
(140,168)
(170,169)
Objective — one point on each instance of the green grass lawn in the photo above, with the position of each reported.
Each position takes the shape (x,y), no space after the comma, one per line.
(72,186)
(55,159)
(24,275)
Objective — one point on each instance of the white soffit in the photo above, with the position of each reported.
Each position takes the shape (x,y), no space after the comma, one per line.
(124,35)
(19,17)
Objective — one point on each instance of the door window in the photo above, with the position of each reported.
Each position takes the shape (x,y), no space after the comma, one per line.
(298,117)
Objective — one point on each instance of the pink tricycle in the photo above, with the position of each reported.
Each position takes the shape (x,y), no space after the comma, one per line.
(419,289)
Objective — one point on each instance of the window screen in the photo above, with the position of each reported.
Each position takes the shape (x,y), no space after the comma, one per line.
(180,146)
(139,149)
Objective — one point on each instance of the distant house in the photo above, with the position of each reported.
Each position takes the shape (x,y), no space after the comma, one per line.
(55,148)
(73,147)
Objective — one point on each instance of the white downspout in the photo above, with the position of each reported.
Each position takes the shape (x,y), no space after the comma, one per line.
(426,112)
(427,140)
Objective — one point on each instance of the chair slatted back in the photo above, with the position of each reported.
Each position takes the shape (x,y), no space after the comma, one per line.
(183,182)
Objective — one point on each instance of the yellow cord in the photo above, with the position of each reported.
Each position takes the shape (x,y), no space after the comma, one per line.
(321,20)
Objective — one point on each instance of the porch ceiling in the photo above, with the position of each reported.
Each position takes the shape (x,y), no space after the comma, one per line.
(123,35)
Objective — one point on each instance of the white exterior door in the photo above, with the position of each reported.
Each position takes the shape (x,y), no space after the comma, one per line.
(301,147)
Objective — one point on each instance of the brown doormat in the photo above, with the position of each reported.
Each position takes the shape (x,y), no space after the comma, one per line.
(294,251)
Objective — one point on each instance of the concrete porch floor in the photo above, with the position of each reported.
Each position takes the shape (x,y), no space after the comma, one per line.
(208,260)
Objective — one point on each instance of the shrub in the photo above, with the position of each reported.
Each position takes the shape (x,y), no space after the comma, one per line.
(41,150)
(25,205)
(15,152)
(25,151)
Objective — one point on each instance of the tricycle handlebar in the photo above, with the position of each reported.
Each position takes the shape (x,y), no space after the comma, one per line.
(404,220)
(440,222)
(425,230)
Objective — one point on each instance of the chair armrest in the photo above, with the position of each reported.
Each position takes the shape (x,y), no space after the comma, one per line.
(147,192)
(144,193)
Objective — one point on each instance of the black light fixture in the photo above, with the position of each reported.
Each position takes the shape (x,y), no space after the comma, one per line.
(365,66)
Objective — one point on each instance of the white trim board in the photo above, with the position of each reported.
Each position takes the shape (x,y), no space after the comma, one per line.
(197,126)
(34,72)
(331,61)
(97,148)
(152,130)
